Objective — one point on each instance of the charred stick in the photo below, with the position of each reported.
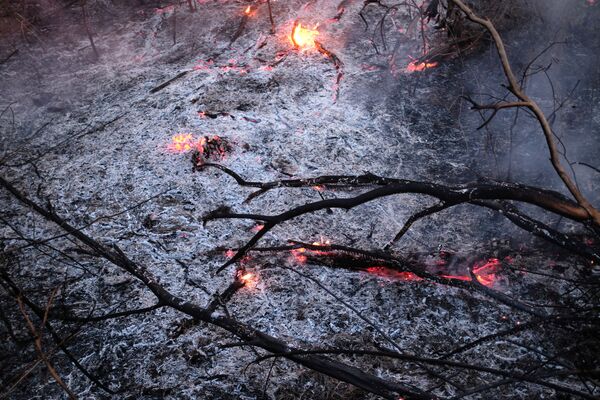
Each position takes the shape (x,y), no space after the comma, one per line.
(367,179)
(517,376)
(541,230)
(221,299)
(15,51)
(271,17)
(240,29)
(414,218)
(337,63)
(87,29)
(504,299)
(556,320)
(167,83)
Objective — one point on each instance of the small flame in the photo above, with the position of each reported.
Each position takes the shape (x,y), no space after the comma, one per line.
(182,143)
(415,66)
(486,272)
(248,10)
(322,242)
(303,38)
(248,279)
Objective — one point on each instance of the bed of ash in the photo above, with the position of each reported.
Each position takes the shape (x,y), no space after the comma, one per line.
(99,142)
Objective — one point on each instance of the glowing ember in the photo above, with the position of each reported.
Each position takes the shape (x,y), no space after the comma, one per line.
(298,255)
(248,10)
(322,242)
(182,143)
(248,279)
(303,38)
(204,148)
(257,228)
(392,275)
(415,66)
(229,253)
(486,272)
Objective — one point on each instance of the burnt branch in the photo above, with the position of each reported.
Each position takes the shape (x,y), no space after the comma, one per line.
(471,193)
(537,378)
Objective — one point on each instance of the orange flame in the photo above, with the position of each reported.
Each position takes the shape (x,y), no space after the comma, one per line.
(248,10)
(415,66)
(303,38)
(248,279)
(181,143)
(486,272)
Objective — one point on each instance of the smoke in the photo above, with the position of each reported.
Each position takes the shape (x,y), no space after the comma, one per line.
(556,48)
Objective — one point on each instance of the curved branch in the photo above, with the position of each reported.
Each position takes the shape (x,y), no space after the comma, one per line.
(530,104)
(548,200)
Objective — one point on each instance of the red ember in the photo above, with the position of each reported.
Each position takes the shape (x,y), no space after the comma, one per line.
(415,66)
(393,275)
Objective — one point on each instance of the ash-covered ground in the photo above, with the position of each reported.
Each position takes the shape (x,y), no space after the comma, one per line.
(94,137)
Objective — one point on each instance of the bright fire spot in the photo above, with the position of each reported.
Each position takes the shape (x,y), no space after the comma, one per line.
(392,275)
(182,143)
(319,188)
(322,242)
(248,279)
(229,253)
(486,272)
(299,256)
(420,66)
(248,10)
(303,38)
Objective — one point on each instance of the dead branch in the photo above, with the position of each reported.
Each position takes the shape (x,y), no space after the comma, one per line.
(271,17)
(472,193)
(37,335)
(530,104)
(87,29)
(532,378)
(167,83)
